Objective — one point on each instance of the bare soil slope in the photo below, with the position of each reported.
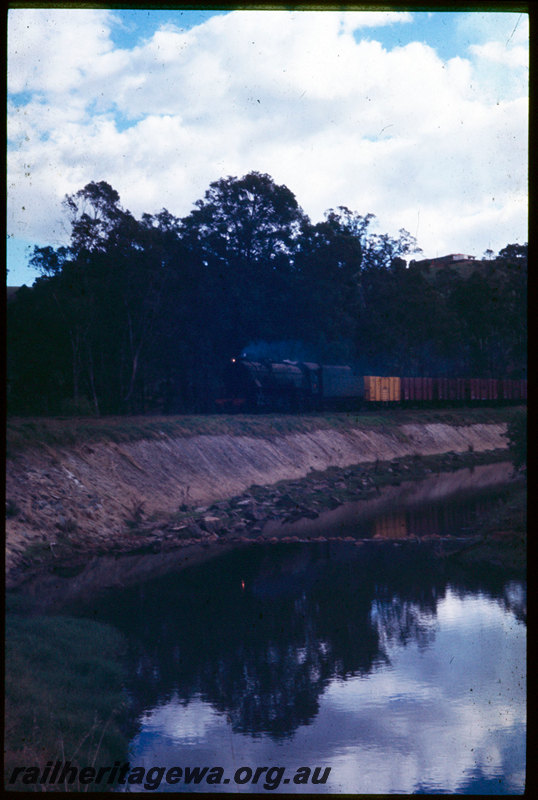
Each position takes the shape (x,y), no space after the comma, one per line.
(95,489)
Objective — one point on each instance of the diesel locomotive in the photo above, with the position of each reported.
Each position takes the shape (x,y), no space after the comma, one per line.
(287,386)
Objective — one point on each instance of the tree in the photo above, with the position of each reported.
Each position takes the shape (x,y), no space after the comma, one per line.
(47,260)
(329,283)
(242,221)
(107,287)
(517,440)
(489,311)
(242,240)
(514,253)
(38,355)
(403,326)
(381,251)
(147,275)
(80,276)
(512,263)
(62,284)
(131,306)
(95,214)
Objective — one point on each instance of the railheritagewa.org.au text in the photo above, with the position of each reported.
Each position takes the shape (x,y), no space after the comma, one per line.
(60,773)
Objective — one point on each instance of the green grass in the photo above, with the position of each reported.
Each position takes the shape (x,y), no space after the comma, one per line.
(63,690)
(23,433)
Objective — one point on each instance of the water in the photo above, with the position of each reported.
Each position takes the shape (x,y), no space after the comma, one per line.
(371,667)
(394,670)
(445,504)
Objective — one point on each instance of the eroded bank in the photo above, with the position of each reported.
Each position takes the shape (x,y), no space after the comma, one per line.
(100,496)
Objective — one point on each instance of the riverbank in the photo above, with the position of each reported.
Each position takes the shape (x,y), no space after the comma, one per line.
(66,502)
(501,540)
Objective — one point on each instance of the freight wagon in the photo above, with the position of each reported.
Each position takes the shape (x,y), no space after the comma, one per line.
(302,386)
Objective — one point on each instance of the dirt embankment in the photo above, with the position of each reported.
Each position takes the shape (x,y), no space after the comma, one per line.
(96,493)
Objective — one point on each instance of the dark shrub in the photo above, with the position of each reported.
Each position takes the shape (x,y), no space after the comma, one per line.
(517,440)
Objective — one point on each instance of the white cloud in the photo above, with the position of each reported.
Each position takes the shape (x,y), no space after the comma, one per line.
(422,142)
(52,49)
(517,56)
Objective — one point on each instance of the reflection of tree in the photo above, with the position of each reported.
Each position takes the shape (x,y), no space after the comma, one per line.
(262,654)
(259,633)
(401,622)
(515,600)
(273,690)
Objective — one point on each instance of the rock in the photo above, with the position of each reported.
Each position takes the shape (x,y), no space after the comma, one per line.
(185,533)
(285,501)
(333,502)
(239,527)
(211,521)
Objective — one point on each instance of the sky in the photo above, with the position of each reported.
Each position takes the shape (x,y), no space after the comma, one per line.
(420,118)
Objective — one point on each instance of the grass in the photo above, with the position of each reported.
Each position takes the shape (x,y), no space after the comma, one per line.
(23,433)
(63,691)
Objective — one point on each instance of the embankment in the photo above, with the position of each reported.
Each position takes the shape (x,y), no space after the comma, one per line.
(96,492)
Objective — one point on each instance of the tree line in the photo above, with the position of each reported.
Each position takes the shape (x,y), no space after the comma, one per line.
(138,315)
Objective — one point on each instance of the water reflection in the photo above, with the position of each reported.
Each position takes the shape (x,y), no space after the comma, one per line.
(395,669)
(445,504)
(431,519)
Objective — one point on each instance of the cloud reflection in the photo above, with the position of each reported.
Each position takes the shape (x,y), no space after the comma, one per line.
(445,711)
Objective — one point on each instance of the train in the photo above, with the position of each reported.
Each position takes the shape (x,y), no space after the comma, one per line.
(291,386)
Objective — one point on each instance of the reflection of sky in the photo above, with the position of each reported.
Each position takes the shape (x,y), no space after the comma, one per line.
(188,723)
(446,717)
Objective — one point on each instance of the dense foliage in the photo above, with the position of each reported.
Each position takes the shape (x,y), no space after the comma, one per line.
(140,315)
(517,440)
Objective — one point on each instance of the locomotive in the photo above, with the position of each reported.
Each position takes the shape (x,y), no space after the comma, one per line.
(287,386)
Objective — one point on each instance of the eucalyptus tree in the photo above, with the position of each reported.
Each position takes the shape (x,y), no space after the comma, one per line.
(108,287)
(329,266)
(242,239)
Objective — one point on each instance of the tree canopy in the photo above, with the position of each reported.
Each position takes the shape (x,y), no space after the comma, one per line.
(141,315)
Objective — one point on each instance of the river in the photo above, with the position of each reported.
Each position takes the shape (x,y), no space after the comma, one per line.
(371,666)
